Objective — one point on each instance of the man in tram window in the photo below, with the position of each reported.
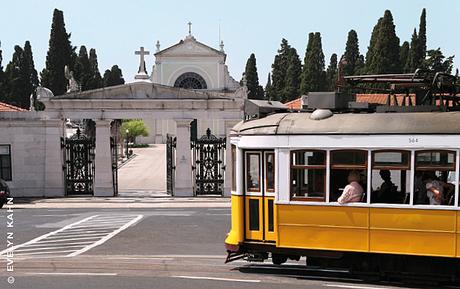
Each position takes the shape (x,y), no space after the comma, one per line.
(387,193)
(421,197)
(353,191)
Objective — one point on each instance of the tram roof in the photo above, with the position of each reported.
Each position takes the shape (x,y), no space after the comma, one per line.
(353,123)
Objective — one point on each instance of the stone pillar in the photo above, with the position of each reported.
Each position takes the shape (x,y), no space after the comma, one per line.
(228,124)
(183,183)
(54,174)
(103,184)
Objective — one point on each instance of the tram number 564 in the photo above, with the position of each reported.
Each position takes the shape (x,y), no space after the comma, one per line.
(413,140)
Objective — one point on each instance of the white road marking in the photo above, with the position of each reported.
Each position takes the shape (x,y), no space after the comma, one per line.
(72,274)
(104,239)
(217,279)
(76,238)
(351,286)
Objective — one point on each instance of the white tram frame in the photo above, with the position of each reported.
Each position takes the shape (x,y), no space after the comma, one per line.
(284,144)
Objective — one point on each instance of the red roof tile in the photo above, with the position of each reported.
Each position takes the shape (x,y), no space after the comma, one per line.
(9,107)
(294,104)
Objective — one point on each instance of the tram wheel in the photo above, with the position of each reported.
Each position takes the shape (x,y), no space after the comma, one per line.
(278,259)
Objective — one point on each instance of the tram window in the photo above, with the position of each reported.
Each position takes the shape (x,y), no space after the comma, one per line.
(390,177)
(343,162)
(308,175)
(233,168)
(434,182)
(253,172)
(270,171)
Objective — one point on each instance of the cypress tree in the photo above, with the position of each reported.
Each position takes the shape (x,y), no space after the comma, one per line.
(351,54)
(421,51)
(412,62)
(30,75)
(113,76)
(252,79)
(279,68)
(96,79)
(313,74)
(268,87)
(404,55)
(370,55)
(2,79)
(21,77)
(385,54)
(292,80)
(60,54)
(331,73)
(82,69)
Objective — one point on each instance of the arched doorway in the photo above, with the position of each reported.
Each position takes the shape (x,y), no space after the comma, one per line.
(190,80)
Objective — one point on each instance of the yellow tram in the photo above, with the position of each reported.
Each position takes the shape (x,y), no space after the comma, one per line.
(289,170)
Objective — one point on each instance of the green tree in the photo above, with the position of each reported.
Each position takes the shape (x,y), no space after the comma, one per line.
(255,91)
(279,68)
(371,49)
(2,79)
(82,69)
(331,73)
(112,77)
(60,54)
(21,77)
(96,80)
(412,62)
(352,55)
(313,74)
(29,74)
(268,87)
(421,49)
(404,55)
(135,127)
(385,52)
(292,80)
(437,62)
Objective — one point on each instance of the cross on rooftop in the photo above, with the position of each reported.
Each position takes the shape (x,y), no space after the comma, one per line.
(142,72)
(189,28)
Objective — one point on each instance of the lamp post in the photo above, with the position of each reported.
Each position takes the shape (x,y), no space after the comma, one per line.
(127,132)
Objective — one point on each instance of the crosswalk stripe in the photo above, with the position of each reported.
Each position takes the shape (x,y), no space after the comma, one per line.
(76,238)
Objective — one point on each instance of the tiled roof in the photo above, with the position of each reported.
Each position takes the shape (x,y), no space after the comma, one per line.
(382,98)
(294,104)
(9,107)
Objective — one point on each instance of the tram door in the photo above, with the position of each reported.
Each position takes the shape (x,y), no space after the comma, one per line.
(260,195)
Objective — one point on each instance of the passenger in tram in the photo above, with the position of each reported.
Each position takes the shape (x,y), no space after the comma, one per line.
(353,191)
(434,190)
(387,193)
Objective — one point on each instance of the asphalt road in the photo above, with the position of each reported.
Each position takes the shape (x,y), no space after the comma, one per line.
(165,248)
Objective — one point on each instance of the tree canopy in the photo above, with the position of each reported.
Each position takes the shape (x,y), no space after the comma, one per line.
(313,74)
(60,54)
(255,91)
(135,127)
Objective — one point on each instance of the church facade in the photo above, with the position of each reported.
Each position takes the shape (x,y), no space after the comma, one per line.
(190,64)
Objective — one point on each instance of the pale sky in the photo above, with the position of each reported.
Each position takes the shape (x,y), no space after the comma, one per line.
(117,28)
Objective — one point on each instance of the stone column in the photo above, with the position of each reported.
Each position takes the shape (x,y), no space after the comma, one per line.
(183,183)
(228,124)
(103,184)
(54,175)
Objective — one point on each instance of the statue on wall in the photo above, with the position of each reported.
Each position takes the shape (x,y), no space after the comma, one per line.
(73,84)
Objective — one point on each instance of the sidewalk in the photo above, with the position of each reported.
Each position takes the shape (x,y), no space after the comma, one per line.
(121,202)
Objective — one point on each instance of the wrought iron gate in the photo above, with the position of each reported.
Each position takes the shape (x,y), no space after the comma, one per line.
(114,148)
(170,163)
(79,164)
(208,164)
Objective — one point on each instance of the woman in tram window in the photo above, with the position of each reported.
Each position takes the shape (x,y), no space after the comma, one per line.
(353,191)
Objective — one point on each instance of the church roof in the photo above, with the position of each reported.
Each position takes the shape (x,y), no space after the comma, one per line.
(190,39)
